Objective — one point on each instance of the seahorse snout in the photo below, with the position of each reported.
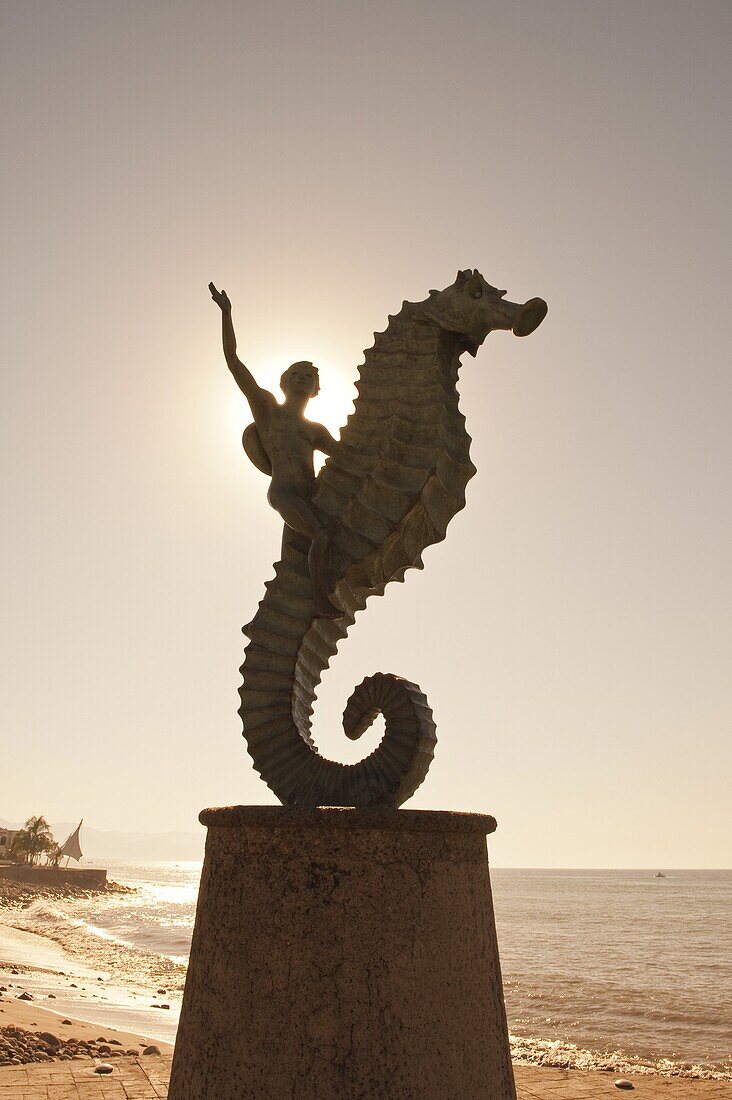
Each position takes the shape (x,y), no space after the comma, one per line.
(530,316)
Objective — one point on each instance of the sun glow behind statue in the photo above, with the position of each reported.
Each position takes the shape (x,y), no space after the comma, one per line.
(332,406)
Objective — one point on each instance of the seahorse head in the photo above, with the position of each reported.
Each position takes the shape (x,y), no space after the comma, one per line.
(471,308)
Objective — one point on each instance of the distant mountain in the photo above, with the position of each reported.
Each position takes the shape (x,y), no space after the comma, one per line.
(99,845)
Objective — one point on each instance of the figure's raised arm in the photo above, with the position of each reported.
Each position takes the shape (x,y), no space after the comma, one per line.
(243,377)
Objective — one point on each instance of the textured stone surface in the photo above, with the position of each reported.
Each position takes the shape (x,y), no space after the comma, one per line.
(343,954)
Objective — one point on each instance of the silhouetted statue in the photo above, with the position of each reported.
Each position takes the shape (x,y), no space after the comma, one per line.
(280,443)
(388,491)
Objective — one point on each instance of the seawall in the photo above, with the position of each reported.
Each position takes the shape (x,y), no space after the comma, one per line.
(84,878)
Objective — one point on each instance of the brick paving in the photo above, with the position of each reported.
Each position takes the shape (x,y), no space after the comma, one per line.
(147,1079)
(534,1083)
(132,1079)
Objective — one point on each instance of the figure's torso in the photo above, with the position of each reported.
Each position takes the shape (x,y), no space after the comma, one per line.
(288,441)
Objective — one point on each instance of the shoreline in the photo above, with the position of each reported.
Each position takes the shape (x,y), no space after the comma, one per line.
(32,1017)
(529,1052)
(63,987)
(97,1007)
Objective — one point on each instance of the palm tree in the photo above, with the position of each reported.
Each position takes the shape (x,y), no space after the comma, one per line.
(35,838)
(19,847)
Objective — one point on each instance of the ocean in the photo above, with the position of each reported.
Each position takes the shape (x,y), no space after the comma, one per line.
(601,969)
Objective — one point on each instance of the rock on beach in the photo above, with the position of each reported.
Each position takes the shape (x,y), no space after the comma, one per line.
(19,1047)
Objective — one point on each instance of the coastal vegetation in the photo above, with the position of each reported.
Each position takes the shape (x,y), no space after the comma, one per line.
(32,866)
(34,841)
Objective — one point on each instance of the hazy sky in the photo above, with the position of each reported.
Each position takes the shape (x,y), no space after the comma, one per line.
(324,161)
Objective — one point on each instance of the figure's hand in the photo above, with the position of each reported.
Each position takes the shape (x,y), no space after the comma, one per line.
(221,298)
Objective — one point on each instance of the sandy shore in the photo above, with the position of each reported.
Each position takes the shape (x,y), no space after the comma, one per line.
(32,1017)
(63,988)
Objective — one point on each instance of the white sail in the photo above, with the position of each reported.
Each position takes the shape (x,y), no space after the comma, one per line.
(71,846)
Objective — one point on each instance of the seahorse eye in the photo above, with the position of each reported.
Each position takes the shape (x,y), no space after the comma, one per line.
(477,293)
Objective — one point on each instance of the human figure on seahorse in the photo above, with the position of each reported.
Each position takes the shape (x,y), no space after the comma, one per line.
(387,491)
(280,443)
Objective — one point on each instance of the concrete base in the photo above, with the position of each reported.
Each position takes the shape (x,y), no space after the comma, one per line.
(343,955)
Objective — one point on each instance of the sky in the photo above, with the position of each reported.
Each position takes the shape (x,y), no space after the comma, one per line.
(324,161)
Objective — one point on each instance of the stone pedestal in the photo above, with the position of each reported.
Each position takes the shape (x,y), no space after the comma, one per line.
(343,955)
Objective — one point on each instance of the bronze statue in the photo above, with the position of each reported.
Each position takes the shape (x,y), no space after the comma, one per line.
(280,443)
(388,490)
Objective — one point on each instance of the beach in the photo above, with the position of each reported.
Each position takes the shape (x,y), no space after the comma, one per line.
(113,965)
(80,975)
(46,1049)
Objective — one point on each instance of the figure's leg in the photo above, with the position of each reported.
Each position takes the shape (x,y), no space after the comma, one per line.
(302,517)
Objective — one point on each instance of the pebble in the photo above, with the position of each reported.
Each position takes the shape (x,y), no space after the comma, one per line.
(104,1067)
(621,1083)
(26,996)
(19,1047)
(151,1050)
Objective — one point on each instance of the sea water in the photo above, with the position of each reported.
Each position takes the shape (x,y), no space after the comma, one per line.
(611,969)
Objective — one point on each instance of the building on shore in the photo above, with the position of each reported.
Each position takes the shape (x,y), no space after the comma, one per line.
(7,836)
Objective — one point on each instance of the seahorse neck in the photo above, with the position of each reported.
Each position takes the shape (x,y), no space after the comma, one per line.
(413,331)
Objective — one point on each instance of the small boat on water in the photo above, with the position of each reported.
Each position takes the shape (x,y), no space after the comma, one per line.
(659,874)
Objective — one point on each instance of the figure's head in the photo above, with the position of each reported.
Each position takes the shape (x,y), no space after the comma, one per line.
(472,308)
(300,380)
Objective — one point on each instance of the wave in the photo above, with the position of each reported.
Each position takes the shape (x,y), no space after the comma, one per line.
(99,947)
(562,1055)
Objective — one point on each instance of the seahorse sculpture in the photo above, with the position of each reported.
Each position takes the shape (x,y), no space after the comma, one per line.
(389,491)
